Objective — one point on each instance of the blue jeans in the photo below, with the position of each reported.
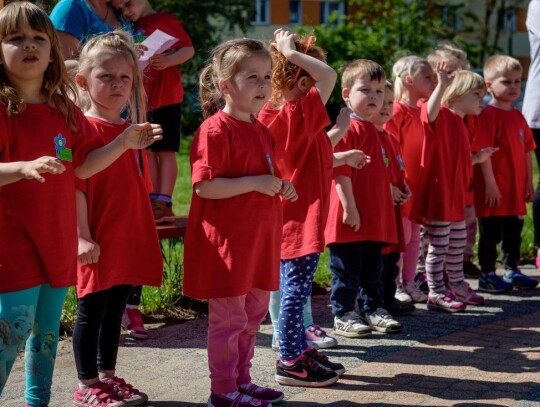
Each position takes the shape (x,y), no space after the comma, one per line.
(296,278)
(356,277)
(31,317)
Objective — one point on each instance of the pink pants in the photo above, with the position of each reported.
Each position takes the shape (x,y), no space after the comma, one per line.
(410,255)
(233,323)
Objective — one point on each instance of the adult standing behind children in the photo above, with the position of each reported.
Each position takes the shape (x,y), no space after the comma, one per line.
(163,85)
(503,183)
(233,238)
(531,105)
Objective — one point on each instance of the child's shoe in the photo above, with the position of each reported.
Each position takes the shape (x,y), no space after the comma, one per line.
(402,295)
(133,323)
(465,293)
(351,326)
(317,338)
(445,301)
(380,320)
(98,394)
(275,343)
(162,211)
(421,282)
(491,283)
(400,308)
(470,269)
(323,360)
(261,393)
(415,291)
(238,400)
(519,280)
(128,393)
(305,372)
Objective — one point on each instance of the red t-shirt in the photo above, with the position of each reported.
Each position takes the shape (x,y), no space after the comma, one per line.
(38,223)
(406,126)
(232,245)
(509,131)
(445,175)
(371,189)
(163,87)
(396,173)
(304,156)
(121,222)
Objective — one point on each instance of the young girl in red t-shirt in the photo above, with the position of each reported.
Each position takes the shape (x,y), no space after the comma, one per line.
(443,183)
(38,166)
(118,243)
(234,228)
(413,82)
(296,116)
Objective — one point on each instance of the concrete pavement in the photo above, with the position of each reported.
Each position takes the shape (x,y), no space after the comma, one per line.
(486,356)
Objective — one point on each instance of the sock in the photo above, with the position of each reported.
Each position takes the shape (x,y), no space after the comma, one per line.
(84,386)
(154,196)
(165,198)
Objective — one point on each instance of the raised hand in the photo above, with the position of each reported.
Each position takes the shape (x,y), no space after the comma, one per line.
(138,136)
(284,41)
(443,77)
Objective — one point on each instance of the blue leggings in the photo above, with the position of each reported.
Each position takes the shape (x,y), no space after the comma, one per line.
(31,317)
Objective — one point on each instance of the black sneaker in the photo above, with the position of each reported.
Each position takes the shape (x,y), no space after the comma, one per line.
(306,372)
(323,360)
(470,269)
(400,308)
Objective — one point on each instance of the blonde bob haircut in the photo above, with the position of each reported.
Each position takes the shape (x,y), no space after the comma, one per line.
(464,82)
(353,70)
(449,53)
(408,65)
(498,65)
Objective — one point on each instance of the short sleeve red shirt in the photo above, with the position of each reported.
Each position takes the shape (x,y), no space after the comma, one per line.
(304,156)
(507,130)
(163,87)
(232,245)
(445,174)
(38,224)
(121,222)
(396,173)
(371,189)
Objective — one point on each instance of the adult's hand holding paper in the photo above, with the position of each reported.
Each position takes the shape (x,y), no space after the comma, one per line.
(156,43)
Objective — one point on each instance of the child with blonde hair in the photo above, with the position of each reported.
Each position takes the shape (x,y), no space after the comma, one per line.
(38,165)
(232,246)
(413,84)
(503,184)
(444,180)
(118,243)
(296,117)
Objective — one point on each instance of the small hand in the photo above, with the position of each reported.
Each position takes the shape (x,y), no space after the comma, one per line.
(356,158)
(443,77)
(484,154)
(398,195)
(351,217)
(407,191)
(529,193)
(88,252)
(33,169)
(288,192)
(141,49)
(493,195)
(268,185)
(343,119)
(284,41)
(138,136)
(159,62)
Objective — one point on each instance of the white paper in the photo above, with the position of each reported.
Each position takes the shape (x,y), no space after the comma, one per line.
(157,43)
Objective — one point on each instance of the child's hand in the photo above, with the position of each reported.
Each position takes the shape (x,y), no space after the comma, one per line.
(529,193)
(138,136)
(268,185)
(398,195)
(141,49)
(493,195)
(356,158)
(484,154)
(407,191)
(343,119)
(33,169)
(442,74)
(288,192)
(88,251)
(159,62)
(284,41)
(351,217)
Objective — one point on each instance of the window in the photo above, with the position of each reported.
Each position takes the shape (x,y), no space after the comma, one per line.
(295,12)
(261,12)
(330,10)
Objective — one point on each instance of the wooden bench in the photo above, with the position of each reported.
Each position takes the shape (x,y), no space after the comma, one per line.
(173,230)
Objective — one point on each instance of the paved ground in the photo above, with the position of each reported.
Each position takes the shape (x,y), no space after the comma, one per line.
(487,356)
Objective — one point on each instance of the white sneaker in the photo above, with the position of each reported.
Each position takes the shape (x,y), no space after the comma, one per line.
(317,338)
(380,320)
(351,326)
(402,295)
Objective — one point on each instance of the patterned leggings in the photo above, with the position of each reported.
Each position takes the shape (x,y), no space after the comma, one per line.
(31,317)
(445,252)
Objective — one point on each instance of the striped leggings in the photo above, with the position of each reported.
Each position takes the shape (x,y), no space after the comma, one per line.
(447,241)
